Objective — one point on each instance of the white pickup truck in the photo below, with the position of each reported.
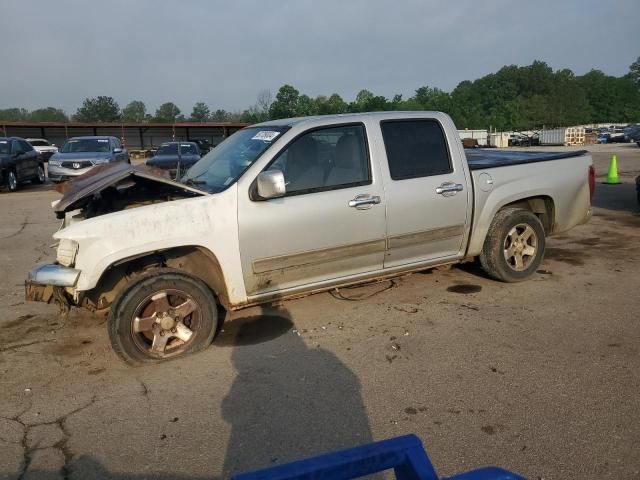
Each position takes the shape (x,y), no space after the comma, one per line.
(296,206)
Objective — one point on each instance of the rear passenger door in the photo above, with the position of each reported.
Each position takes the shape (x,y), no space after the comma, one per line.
(30,159)
(427,196)
(329,225)
(19,160)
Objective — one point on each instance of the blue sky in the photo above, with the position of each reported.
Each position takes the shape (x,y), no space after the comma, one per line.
(225,52)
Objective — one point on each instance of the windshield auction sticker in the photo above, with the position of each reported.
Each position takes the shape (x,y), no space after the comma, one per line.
(265,135)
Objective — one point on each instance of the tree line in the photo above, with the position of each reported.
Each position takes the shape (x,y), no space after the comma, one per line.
(511,98)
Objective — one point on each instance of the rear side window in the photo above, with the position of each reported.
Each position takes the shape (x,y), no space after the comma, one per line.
(415,148)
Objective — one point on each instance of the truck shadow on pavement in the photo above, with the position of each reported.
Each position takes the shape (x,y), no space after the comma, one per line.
(305,401)
(290,399)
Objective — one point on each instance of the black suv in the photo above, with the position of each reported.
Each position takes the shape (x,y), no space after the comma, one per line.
(19,162)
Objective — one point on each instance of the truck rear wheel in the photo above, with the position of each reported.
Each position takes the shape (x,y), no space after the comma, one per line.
(514,246)
(161,315)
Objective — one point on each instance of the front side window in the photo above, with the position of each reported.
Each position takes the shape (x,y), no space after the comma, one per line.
(25,147)
(223,165)
(415,148)
(325,159)
(5,146)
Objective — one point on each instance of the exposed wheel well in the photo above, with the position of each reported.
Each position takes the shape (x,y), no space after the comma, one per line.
(543,207)
(194,260)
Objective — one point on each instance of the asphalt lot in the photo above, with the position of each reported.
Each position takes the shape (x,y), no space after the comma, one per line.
(541,377)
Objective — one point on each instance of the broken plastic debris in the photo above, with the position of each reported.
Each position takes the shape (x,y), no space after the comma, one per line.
(27,389)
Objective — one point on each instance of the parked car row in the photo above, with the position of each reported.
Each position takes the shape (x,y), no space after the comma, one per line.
(23,160)
(613,134)
(19,162)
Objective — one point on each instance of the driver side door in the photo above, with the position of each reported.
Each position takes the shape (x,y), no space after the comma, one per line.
(318,232)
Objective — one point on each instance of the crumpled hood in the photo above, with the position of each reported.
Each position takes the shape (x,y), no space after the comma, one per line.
(107,175)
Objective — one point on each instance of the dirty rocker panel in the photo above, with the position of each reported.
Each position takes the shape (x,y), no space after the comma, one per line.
(416,238)
(317,256)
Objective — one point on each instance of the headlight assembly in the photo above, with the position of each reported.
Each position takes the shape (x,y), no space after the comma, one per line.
(67,250)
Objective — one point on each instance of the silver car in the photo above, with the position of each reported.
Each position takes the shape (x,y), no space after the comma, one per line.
(81,154)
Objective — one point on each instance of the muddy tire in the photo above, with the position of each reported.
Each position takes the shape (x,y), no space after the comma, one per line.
(514,246)
(162,315)
(41,176)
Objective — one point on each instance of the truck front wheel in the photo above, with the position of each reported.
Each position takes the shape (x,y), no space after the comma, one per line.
(160,315)
(514,246)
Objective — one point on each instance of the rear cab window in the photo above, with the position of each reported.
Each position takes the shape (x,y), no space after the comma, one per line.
(415,148)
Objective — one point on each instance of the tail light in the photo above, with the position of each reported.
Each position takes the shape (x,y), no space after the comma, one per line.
(592,182)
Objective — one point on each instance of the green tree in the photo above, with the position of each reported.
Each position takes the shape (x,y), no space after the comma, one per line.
(286,103)
(200,113)
(168,113)
(366,101)
(134,112)
(634,72)
(220,115)
(98,109)
(305,106)
(48,114)
(432,99)
(14,114)
(327,106)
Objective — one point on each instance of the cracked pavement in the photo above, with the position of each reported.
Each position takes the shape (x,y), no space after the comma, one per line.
(540,377)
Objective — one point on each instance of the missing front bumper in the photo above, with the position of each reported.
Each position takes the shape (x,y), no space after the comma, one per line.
(47,283)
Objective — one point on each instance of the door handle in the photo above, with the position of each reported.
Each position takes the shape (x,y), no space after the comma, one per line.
(449,188)
(364,201)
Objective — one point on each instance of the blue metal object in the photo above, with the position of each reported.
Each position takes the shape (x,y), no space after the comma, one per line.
(405,455)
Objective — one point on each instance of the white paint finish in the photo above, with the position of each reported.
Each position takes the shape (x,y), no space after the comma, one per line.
(208,222)
(413,206)
(238,231)
(564,181)
(307,223)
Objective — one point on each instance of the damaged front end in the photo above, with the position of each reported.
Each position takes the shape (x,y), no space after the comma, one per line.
(113,187)
(47,283)
(105,189)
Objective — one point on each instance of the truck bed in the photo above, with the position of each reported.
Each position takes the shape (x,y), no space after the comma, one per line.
(481,158)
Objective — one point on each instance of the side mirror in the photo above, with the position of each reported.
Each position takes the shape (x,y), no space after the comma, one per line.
(117,150)
(271,184)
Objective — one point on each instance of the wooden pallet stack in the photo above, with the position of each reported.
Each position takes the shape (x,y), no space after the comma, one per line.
(574,136)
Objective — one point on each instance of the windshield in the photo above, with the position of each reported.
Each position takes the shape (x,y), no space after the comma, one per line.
(172,149)
(38,143)
(86,145)
(5,146)
(223,165)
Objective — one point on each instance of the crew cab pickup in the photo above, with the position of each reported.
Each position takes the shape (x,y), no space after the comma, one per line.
(291,207)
